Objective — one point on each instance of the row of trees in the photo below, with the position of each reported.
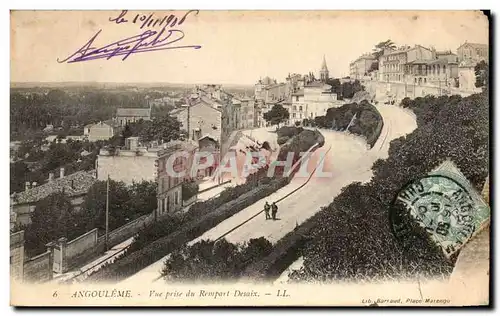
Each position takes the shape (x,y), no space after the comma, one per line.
(55,217)
(352,238)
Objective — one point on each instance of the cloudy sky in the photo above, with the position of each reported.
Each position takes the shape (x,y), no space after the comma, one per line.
(237,47)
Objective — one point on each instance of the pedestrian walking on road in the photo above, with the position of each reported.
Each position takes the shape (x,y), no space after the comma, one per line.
(274,211)
(267,207)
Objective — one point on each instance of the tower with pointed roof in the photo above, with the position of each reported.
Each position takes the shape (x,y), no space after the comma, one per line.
(323,73)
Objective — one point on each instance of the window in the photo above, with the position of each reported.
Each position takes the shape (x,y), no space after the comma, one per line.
(295,108)
(167,202)
(300,108)
(293,115)
(297,98)
(176,195)
(425,80)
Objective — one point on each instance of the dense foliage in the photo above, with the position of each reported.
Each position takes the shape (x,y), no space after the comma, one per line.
(214,261)
(189,189)
(52,219)
(285,133)
(368,121)
(32,110)
(482,72)
(54,216)
(352,238)
(345,89)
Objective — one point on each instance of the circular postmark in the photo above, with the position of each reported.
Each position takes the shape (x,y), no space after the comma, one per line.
(435,207)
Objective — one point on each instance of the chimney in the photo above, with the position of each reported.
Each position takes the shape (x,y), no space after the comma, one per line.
(61,173)
(27,186)
(51,177)
(33,184)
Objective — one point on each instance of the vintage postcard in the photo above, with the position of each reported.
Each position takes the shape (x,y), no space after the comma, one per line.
(249,158)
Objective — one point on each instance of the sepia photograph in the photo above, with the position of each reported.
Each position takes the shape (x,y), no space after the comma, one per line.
(249,158)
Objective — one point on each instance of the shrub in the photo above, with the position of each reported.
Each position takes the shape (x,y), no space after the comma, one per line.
(368,122)
(189,189)
(289,131)
(214,261)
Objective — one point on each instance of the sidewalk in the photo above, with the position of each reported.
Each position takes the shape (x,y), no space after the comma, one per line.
(81,273)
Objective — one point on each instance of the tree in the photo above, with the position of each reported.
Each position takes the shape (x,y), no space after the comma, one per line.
(189,189)
(336,86)
(93,212)
(277,115)
(379,48)
(142,198)
(164,128)
(378,51)
(51,219)
(350,88)
(482,71)
(18,173)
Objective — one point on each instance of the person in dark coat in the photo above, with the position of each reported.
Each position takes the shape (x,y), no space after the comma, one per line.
(267,208)
(274,210)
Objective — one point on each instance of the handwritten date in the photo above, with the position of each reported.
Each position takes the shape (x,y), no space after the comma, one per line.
(150,21)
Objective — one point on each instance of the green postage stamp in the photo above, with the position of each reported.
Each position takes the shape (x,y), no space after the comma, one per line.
(445,205)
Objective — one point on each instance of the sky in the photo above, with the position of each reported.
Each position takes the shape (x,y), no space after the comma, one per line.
(237,47)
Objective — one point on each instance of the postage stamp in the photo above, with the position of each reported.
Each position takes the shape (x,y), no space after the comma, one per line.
(451,212)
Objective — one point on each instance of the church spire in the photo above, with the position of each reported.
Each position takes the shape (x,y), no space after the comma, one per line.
(323,65)
(323,73)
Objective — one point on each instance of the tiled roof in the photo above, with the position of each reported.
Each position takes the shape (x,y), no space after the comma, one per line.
(133,112)
(74,184)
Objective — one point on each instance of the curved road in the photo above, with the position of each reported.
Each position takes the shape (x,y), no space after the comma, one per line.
(349,160)
(397,122)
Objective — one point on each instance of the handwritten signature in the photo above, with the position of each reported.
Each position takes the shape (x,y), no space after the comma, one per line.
(147,41)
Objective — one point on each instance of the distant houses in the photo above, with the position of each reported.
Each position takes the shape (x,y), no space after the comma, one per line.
(421,66)
(126,116)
